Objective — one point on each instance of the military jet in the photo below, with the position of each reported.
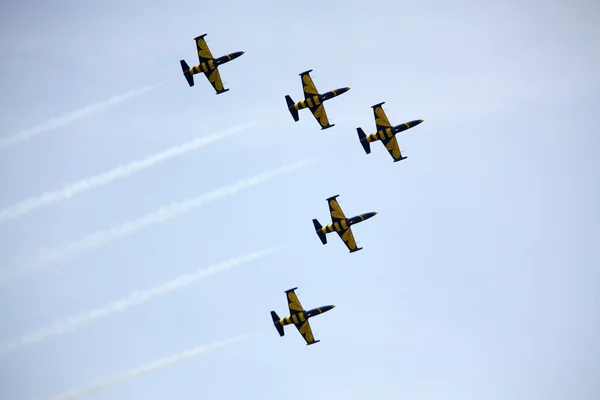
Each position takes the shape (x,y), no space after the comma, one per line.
(385,132)
(341,224)
(313,100)
(208,64)
(299,317)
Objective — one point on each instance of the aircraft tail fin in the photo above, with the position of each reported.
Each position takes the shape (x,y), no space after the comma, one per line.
(290,104)
(186,72)
(363,140)
(277,324)
(319,230)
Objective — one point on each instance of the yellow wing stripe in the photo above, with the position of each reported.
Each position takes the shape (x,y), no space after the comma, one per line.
(203,50)
(215,79)
(336,210)
(392,147)
(321,115)
(306,332)
(380,118)
(309,86)
(294,303)
(348,238)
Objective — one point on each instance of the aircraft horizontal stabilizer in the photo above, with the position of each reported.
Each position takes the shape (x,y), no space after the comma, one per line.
(186,72)
(363,140)
(290,104)
(318,229)
(277,324)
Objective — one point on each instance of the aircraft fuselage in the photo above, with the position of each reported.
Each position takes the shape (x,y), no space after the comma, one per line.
(304,315)
(392,131)
(210,65)
(346,223)
(317,99)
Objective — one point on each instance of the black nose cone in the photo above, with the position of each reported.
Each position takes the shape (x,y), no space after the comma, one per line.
(236,54)
(370,215)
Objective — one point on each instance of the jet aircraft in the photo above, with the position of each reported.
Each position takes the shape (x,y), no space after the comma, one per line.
(341,224)
(208,64)
(313,100)
(385,132)
(299,317)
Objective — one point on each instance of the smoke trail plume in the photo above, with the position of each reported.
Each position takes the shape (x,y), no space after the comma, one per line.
(75,115)
(135,299)
(166,213)
(120,172)
(144,369)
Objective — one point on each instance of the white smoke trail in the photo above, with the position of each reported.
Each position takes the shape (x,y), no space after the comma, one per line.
(66,325)
(75,115)
(173,210)
(105,178)
(145,369)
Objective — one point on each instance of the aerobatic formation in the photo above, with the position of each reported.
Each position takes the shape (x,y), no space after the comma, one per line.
(314,101)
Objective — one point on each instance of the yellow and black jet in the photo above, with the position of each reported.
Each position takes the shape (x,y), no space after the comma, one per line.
(313,100)
(299,317)
(341,224)
(385,132)
(207,64)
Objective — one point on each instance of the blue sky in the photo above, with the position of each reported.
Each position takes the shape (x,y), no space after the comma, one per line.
(479,276)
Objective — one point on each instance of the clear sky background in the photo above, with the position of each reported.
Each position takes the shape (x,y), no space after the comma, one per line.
(479,277)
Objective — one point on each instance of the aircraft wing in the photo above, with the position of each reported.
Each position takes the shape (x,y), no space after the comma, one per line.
(302,324)
(381,120)
(320,115)
(214,77)
(310,90)
(308,86)
(204,53)
(293,302)
(391,144)
(383,124)
(335,209)
(339,220)
(348,239)
(306,332)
